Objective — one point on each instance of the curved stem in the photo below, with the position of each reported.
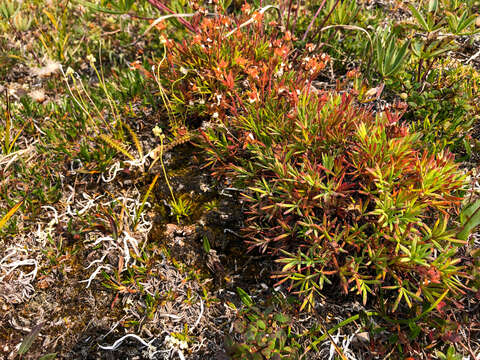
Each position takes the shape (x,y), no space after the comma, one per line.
(163,7)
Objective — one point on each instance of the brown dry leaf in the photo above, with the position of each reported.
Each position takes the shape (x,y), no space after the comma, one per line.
(371,92)
(43,284)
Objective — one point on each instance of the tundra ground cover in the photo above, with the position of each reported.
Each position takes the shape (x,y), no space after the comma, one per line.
(239,180)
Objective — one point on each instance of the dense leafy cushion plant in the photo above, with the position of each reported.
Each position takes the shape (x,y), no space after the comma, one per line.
(341,194)
(225,65)
(337,193)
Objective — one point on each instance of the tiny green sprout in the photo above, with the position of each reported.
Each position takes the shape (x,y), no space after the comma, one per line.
(181,207)
(206,245)
(451,354)
(211,205)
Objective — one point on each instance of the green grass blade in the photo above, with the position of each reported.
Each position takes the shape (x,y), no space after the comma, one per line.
(246,299)
(14,140)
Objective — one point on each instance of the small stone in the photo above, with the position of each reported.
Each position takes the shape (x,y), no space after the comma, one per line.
(363,337)
(179,240)
(50,68)
(38,95)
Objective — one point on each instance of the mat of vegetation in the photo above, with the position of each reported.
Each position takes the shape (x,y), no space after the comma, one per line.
(224,179)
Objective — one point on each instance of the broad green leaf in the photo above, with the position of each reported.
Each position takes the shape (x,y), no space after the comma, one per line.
(469,210)
(419,17)
(390,49)
(472,222)
(50,356)
(29,339)
(206,245)
(261,324)
(417,47)
(399,59)
(281,318)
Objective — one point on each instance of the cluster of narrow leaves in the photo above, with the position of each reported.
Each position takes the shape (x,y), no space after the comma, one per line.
(341,195)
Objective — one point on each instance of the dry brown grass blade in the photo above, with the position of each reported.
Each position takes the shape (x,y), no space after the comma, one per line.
(12,211)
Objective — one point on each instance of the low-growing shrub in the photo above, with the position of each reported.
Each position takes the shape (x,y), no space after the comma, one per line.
(227,63)
(265,335)
(264,332)
(341,195)
(337,193)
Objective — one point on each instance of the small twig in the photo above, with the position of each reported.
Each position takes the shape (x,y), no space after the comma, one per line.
(313,20)
(349,27)
(232,232)
(288,13)
(199,316)
(180,354)
(294,26)
(164,17)
(171,316)
(473,57)
(111,32)
(419,70)
(427,69)
(117,343)
(325,21)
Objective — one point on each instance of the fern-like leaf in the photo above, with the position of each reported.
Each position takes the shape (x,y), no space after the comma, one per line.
(116,145)
(135,139)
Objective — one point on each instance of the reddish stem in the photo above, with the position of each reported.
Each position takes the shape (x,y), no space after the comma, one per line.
(325,21)
(163,7)
(313,20)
